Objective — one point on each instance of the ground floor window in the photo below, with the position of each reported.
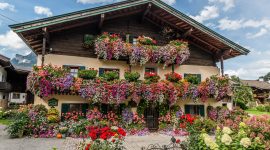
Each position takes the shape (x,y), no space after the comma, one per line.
(70,107)
(195,110)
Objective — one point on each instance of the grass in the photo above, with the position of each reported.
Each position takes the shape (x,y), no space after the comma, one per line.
(5,121)
(254,111)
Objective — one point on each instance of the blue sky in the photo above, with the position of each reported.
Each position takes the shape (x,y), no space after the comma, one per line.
(246,22)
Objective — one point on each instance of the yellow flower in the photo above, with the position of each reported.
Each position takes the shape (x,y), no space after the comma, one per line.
(227,130)
(226,139)
(242,125)
(245,142)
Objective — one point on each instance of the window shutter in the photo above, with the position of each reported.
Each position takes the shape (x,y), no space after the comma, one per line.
(187,109)
(64,109)
(199,77)
(82,68)
(85,108)
(101,72)
(131,39)
(104,108)
(201,108)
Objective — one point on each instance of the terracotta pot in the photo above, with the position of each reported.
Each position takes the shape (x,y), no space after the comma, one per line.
(59,136)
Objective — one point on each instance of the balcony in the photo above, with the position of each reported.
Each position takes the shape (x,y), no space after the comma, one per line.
(5,87)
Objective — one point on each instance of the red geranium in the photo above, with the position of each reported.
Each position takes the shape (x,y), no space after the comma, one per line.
(173,77)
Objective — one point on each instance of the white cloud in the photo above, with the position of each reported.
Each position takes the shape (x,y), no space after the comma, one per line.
(262,32)
(228,4)
(11,40)
(43,11)
(227,24)
(170,2)
(208,12)
(251,70)
(7,6)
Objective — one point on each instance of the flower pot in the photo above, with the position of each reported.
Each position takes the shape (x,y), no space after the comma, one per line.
(59,136)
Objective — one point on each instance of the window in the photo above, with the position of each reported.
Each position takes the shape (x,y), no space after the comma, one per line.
(103,70)
(194,110)
(134,41)
(74,69)
(16,96)
(80,107)
(150,69)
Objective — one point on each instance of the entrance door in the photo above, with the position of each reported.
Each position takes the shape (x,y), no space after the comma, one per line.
(151,116)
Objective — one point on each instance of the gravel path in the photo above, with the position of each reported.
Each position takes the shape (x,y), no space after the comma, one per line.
(131,142)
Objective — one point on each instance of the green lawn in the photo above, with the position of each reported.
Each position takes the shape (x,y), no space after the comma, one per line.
(256,112)
(5,121)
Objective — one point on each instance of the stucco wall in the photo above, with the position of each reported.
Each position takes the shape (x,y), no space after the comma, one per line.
(60,60)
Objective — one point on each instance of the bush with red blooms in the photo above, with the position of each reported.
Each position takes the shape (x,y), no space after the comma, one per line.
(151,77)
(186,120)
(105,138)
(105,133)
(173,77)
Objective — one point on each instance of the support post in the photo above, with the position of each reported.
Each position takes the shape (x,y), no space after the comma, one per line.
(172,68)
(43,46)
(222,66)
(102,18)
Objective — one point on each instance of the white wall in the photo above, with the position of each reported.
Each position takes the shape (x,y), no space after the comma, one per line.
(21,99)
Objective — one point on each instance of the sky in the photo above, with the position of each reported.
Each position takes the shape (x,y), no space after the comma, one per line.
(246,22)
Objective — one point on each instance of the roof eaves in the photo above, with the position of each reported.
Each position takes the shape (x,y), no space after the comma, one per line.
(200,26)
(75,15)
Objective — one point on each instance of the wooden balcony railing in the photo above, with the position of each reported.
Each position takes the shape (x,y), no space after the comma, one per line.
(5,87)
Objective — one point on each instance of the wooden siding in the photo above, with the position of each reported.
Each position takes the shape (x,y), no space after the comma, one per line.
(69,42)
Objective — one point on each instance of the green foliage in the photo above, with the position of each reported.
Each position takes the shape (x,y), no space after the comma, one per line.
(19,127)
(206,125)
(41,109)
(266,77)
(242,94)
(88,74)
(141,107)
(193,79)
(132,76)
(261,108)
(89,40)
(111,75)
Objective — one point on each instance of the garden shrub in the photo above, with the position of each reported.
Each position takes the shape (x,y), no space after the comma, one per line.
(111,75)
(261,108)
(132,76)
(53,115)
(88,74)
(19,127)
(267,108)
(206,125)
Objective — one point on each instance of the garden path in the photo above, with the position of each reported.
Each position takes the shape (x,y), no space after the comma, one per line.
(131,142)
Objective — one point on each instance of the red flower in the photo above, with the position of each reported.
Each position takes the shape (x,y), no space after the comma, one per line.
(87,146)
(178,141)
(113,140)
(121,132)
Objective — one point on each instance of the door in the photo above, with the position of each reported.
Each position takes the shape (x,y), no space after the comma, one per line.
(151,116)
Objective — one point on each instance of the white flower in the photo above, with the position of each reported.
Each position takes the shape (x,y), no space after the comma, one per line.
(245,142)
(226,139)
(114,128)
(209,142)
(227,130)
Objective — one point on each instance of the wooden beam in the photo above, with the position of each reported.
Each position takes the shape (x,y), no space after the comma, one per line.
(146,11)
(43,45)
(222,65)
(101,21)
(188,32)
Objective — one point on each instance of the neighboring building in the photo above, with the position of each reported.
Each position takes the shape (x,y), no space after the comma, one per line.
(261,89)
(12,83)
(58,41)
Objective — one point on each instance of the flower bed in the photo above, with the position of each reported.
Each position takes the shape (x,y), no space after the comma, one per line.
(48,80)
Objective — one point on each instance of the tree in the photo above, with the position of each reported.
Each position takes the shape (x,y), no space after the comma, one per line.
(266,77)
(242,94)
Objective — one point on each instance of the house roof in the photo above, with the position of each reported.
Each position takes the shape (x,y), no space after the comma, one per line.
(257,84)
(5,62)
(160,14)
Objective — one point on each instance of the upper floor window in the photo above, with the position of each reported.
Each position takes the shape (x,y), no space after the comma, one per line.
(103,70)
(74,70)
(193,78)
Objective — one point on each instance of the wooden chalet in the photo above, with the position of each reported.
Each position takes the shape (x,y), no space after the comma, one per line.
(58,40)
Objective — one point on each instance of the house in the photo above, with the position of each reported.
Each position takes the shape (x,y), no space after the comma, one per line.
(59,41)
(261,89)
(13,83)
